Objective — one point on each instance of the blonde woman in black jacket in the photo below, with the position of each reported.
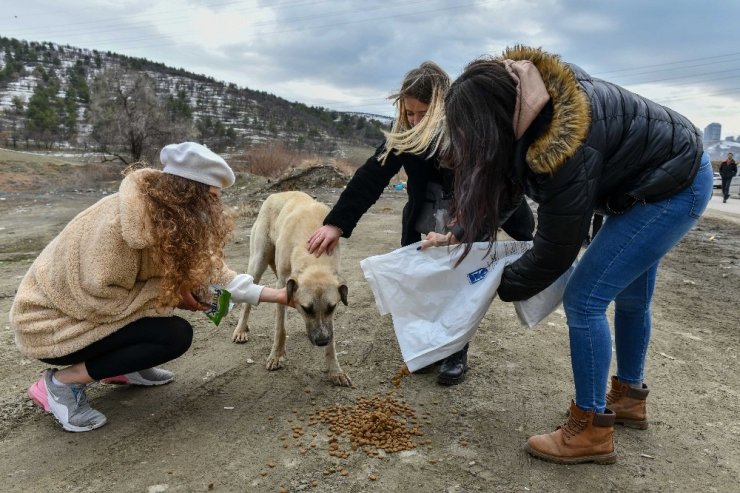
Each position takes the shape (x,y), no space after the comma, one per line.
(411,145)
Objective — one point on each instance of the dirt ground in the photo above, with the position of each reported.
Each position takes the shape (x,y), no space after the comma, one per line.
(226,423)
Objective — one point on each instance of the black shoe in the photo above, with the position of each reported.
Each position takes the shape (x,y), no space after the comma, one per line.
(453,368)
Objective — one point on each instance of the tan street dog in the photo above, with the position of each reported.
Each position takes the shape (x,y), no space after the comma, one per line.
(279,235)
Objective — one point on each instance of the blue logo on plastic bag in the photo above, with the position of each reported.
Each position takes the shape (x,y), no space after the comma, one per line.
(477,275)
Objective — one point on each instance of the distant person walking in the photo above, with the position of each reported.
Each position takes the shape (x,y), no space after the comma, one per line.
(727,170)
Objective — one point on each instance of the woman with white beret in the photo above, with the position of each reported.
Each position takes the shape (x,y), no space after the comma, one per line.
(99,299)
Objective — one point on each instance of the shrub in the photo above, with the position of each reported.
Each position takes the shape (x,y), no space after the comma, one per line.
(91,176)
(271,159)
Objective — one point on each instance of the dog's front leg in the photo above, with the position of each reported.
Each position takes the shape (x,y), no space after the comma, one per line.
(336,375)
(277,355)
(260,250)
(241,332)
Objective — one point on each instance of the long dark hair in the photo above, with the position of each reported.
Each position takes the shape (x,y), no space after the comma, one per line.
(479,108)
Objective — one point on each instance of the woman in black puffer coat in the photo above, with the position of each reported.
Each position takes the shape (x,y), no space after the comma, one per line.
(528,124)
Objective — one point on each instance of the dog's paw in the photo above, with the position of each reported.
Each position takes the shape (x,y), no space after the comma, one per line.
(340,379)
(240,337)
(274,362)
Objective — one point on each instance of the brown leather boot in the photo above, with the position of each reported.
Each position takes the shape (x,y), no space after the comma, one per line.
(586,437)
(628,404)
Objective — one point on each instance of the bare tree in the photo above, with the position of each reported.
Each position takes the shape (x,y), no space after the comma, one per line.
(130,121)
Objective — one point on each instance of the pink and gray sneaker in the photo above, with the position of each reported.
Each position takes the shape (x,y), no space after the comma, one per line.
(66,402)
(147,378)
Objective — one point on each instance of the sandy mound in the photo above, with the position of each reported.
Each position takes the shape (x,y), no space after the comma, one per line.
(309,178)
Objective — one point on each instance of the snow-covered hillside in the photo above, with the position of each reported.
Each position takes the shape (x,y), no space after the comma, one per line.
(247,116)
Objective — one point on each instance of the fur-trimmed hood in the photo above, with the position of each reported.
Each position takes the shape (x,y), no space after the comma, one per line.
(571,110)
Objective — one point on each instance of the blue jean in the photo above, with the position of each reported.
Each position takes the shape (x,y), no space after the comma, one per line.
(620,265)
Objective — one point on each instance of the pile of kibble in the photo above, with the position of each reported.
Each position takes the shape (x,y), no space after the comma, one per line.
(372,424)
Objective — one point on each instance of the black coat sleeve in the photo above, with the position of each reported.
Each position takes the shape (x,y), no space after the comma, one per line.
(362,191)
(562,224)
(520,225)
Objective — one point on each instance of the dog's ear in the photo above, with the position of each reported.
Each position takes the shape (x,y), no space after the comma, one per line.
(291,287)
(343,293)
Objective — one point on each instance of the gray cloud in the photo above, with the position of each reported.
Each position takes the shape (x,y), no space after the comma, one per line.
(350,54)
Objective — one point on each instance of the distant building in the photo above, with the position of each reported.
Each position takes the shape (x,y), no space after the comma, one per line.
(732,139)
(713,132)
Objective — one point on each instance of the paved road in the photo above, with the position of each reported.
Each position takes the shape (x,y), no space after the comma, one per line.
(732,207)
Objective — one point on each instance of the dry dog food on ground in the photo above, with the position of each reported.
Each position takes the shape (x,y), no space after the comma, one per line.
(402,372)
(381,422)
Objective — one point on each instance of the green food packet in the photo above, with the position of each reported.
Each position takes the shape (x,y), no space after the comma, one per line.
(220,304)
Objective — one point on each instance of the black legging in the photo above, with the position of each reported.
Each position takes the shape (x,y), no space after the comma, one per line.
(142,344)
(726,187)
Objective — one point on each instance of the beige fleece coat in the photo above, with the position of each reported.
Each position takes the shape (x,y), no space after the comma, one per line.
(94,278)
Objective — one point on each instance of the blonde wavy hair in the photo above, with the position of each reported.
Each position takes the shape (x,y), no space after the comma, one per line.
(427,83)
(191,228)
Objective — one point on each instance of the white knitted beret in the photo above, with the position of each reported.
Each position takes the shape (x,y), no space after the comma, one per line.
(196,162)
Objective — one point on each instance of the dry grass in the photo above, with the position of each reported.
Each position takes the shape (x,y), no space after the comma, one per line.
(20,172)
(347,167)
(91,175)
(271,160)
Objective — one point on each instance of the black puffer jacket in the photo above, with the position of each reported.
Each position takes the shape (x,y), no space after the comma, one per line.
(595,146)
(369,181)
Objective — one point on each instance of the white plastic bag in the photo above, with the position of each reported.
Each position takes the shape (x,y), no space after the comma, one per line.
(533,310)
(436,308)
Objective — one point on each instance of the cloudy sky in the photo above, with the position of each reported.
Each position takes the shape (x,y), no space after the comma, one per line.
(349,55)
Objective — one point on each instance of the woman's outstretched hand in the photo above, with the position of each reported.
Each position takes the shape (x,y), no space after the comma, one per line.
(438,239)
(188,302)
(324,239)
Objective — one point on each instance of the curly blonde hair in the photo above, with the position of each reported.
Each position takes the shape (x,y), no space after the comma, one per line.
(191,228)
(427,83)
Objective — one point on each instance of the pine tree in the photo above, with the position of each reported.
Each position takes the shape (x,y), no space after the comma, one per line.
(43,110)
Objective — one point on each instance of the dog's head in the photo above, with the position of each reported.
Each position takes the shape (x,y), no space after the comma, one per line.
(316,296)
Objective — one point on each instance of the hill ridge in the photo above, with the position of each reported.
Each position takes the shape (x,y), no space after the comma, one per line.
(225,115)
